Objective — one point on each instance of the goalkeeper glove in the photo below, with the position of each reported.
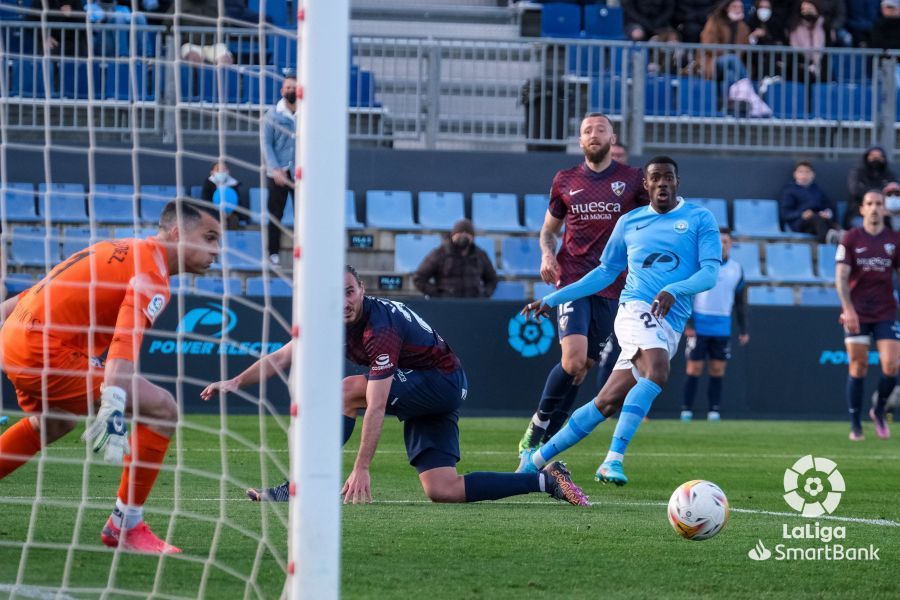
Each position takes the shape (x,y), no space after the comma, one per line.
(109,430)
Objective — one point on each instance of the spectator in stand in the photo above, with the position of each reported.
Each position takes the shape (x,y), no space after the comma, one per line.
(118,12)
(278,153)
(691,16)
(221,189)
(200,47)
(645,19)
(892,205)
(725,25)
(765,28)
(807,29)
(64,42)
(457,268)
(861,16)
(619,153)
(835,14)
(873,173)
(886,30)
(806,208)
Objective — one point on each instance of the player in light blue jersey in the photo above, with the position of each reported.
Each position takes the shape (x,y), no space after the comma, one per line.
(672,251)
(710,336)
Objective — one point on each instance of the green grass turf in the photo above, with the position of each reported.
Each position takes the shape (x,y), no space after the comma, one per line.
(529,546)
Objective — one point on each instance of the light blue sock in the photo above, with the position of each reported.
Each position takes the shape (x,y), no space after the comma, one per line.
(637,405)
(580,424)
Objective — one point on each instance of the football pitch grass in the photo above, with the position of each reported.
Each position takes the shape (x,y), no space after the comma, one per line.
(525,547)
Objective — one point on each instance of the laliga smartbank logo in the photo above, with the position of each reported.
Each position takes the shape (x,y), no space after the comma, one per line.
(813,486)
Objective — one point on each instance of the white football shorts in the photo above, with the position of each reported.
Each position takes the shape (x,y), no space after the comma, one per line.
(637,329)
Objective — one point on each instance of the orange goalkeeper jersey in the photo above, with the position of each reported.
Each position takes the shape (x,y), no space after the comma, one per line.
(100,298)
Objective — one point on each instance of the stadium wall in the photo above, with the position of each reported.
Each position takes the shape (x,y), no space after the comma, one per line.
(794,366)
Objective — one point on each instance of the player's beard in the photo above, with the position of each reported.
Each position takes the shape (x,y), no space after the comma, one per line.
(599,155)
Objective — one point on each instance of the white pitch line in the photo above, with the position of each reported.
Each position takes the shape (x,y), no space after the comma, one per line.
(30,591)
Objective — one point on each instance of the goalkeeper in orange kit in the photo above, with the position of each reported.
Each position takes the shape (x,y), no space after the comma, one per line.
(101,300)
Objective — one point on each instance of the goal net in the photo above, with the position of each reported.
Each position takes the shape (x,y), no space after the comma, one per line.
(109,110)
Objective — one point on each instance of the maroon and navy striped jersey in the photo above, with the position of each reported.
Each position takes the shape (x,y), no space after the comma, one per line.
(389,336)
(591,203)
(872,260)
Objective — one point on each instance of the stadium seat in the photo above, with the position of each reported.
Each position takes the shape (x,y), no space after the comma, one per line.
(276,10)
(196,191)
(440,210)
(411,248)
(112,203)
(17,283)
(79,238)
(389,209)
(117,80)
(362,88)
(521,256)
(788,100)
(771,295)
(350,220)
(277,288)
(269,80)
(201,83)
(535,211)
(825,257)
(605,94)
(842,102)
(850,68)
(73,79)
(747,255)
(242,250)
(218,287)
(509,290)
(756,218)
(258,213)
(604,22)
(592,60)
(560,19)
(819,296)
(697,97)
(717,206)
(18,205)
(154,199)
(541,289)
(27,79)
(62,202)
(495,212)
(181,284)
(31,248)
(659,97)
(134,232)
(786,261)
(487,244)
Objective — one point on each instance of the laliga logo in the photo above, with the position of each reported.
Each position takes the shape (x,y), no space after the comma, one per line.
(528,337)
(217,320)
(815,503)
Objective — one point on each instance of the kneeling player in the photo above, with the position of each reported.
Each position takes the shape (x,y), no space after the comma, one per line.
(414,375)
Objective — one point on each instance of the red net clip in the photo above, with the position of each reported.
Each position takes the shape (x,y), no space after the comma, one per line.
(291,568)
(298,174)
(293,410)
(292,488)
(299,92)
(297,253)
(295,331)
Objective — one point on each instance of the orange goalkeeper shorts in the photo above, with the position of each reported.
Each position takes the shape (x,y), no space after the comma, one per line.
(71,382)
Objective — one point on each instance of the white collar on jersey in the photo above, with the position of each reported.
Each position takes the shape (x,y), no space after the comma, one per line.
(677,206)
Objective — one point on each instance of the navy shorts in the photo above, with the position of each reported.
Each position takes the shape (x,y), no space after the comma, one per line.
(882,330)
(592,316)
(428,403)
(712,347)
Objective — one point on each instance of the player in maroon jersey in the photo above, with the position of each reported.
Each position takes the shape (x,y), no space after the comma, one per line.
(588,199)
(866,260)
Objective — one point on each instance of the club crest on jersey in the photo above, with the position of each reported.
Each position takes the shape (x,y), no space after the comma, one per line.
(889,248)
(681,226)
(618,187)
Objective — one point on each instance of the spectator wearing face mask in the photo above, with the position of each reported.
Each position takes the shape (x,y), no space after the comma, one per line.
(886,30)
(892,205)
(765,28)
(873,173)
(808,30)
(457,268)
(221,189)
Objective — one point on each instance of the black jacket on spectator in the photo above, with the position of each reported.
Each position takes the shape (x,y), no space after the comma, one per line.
(691,16)
(774,29)
(652,15)
(449,272)
(71,42)
(860,180)
(885,34)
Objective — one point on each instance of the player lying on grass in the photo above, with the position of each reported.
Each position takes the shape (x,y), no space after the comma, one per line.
(101,300)
(672,251)
(414,375)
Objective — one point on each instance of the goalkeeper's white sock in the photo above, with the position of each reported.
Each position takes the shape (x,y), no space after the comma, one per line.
(129,516)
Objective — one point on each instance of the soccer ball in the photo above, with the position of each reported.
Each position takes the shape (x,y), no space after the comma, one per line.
(698,510)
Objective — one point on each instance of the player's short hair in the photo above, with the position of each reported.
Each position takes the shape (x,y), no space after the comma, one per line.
(352,271)
(804,163)
(874,191)
(191,210)
(591,115)
(725,231)
(661,160)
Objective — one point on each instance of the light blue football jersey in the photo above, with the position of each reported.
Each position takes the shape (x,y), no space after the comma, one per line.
(712,308)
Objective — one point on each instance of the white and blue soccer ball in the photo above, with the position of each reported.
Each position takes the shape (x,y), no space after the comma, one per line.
(698,510)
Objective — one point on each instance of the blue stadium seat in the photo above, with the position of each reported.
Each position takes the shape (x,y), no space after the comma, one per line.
(218,287)
(850,68)
(17,283)
(604,22)
(154,199)
(242,250)
(440,210)
(659,96)
(487,244)
(842,102)
(362,88)
(756,218)
(541,289)
(521,256)
(509,290)
(196,191)
(389,209)
(788,100)
(350,220)
(27,79)
(819,296)
(117,80)
(271,86)
(17,204)
(28,248)
(591,60)
(78,238)
(825,257)
(717,206)
(258,213)
(771,295)
(747,255)
(786,261)
(698,97)
(113,203)
(62,202)
(73,79)
(284,51)
(605,94)
(134,232)
(181,284)
(277,288)
(411,248)
(535,211)
(560,19)
(276,10)
(495,212)
(201,83)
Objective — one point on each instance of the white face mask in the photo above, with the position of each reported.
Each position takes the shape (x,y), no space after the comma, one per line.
(736,16)
(892,203)
(220,177)
(764,14)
